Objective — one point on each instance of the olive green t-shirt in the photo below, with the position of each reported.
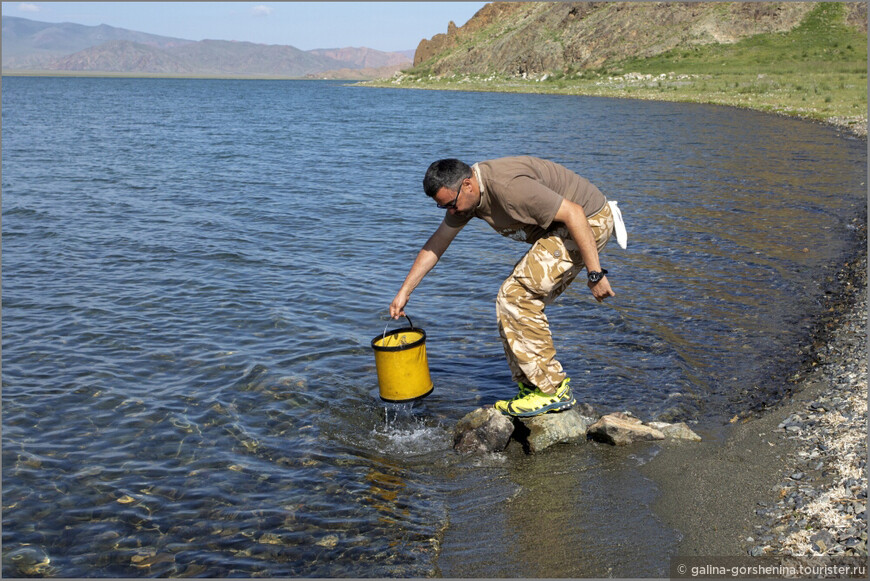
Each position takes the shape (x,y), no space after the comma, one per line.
(519,196)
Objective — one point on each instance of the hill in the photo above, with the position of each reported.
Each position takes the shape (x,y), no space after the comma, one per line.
(531,38)
(363,57)
(29,45)
(807,59)
(119,56)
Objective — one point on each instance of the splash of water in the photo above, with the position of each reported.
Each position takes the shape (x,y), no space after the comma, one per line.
(406,432)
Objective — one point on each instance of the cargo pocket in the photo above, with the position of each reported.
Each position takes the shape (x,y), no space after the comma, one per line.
(548,265)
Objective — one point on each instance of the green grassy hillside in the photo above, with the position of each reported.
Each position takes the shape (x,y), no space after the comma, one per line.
(821,41)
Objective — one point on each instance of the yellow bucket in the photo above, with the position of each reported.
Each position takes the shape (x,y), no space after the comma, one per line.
(403,369)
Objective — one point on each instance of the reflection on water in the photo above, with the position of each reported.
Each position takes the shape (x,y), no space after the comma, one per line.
(194,270)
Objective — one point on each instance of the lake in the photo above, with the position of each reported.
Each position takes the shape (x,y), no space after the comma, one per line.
(193,271)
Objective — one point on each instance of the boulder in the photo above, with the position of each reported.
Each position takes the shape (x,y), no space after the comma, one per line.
(621,429)
(678,431)
(483,430)
(540,432)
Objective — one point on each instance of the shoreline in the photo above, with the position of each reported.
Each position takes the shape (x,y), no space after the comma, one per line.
(789,481)
(856,125)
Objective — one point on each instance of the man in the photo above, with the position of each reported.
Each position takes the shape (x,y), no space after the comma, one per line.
(567,221)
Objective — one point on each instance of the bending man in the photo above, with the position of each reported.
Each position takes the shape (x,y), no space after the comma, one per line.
(567,221)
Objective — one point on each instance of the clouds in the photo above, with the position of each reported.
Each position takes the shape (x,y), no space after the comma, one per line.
(25,7)
(261,10)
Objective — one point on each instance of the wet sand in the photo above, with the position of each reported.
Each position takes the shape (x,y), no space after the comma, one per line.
(710,490)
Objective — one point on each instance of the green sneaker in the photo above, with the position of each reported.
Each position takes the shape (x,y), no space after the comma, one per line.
(538,402)
(563,387)
(524,390)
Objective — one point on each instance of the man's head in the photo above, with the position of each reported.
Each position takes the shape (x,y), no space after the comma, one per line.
(445,173)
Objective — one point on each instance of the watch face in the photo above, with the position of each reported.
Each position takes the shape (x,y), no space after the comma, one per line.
(595,276)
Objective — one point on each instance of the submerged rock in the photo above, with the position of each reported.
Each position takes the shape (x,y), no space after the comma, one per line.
(28,561)
(621,429)
(540,432)
(483,430)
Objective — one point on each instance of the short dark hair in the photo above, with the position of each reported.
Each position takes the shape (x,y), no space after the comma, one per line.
(445,173)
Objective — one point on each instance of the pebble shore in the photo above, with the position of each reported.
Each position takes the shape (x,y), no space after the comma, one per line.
(819,504)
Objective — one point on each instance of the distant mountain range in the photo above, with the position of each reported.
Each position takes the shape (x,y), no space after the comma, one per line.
(29,45)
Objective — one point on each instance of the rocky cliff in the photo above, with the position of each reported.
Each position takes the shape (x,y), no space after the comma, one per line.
(519,38)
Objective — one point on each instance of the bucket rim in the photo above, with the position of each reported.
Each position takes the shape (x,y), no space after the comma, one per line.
(404,347)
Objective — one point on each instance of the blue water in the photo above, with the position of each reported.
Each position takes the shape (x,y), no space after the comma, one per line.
(193,271)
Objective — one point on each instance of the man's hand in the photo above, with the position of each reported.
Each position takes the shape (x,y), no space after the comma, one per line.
(601,289)
(397,307)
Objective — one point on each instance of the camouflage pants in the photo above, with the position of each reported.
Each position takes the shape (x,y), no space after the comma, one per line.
(538,278)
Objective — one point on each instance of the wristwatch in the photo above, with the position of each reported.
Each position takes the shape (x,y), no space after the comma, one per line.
(595,276)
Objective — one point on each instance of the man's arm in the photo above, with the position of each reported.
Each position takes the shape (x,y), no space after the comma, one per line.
(573,216)
(426,260)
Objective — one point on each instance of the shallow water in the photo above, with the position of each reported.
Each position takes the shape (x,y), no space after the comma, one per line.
(194,270)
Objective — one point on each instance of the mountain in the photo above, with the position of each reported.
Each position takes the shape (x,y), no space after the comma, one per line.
(531,38)
(121,56)
(364,57)
(32,45)
(247,58)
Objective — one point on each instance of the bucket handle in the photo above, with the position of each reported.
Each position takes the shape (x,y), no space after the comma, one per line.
(388,324)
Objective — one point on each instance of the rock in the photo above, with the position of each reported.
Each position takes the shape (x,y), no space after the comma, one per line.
(481,431)
(621,429)
(329,541)
(149,560)
(678,431)
(822,541)
(540,432)
(587,411)
(792,420)
(28,561)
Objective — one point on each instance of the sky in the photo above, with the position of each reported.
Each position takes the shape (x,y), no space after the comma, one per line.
(385,26)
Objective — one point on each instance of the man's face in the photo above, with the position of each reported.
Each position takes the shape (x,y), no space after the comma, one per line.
(455,202)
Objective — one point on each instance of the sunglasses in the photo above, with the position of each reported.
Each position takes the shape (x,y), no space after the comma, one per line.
(452,204)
